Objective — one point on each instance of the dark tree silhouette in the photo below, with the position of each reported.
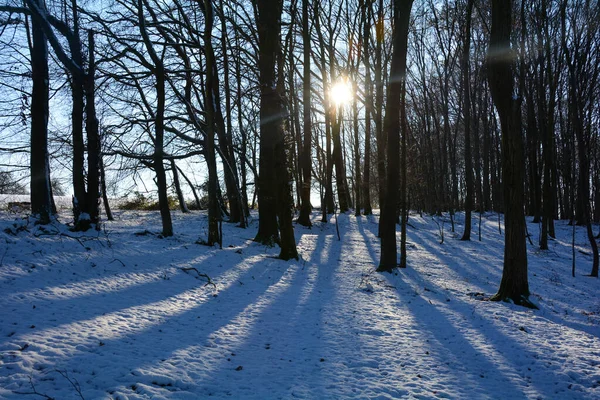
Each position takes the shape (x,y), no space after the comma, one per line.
(395,103)
(514,285)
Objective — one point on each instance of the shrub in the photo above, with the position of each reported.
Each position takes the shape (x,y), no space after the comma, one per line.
(141,202)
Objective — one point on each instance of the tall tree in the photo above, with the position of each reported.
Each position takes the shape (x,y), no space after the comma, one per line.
(275,201)
(366,19)
(514,285)
(93,137)
(85,202)
(380,135)
(159,119)
(578,67)
(214,214)
(41,201)
(306,159)
(395,104)
(225,127)
(467,121)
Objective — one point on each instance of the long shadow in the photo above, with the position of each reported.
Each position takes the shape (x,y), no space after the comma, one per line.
(365,228)
(68,310)
(169,333)
(501,343)
(452,345)
(457,263)
(450,257)
(144,313)
(328,322)
(276,345)
(365,334)
(442,330)
(75,264)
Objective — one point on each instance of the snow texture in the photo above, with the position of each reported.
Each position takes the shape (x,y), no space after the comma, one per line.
(114,315)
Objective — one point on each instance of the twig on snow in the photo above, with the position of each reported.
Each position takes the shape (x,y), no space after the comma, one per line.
(116,259)
(200,274)
(73,382)
(34,391)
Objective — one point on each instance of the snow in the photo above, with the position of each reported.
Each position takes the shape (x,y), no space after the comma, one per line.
(84,217)
(113,315)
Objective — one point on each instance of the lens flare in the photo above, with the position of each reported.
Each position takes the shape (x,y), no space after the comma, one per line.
(341,92)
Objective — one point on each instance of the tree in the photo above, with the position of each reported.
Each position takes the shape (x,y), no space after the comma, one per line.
(395,104)
(467,121)
(85,202)
(580,108)
(41,197)
(306,159)
(274,196)
(514,285)
(209,149)
(10,185)
(366,18)
(159,119)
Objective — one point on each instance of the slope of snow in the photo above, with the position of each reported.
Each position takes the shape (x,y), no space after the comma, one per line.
(113,315)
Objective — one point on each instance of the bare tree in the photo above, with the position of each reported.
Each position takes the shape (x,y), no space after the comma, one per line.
(395,107)
(514,285)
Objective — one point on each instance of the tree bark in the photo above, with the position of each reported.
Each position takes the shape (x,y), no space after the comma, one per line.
(467,122)
(306,159)
(514,285)
(368,209)
(395,103)
(109,214)
(93,138)
(182,206)
(77,94)
(273,161)
(159,125)
(379,130)
(214,215)
(41,202)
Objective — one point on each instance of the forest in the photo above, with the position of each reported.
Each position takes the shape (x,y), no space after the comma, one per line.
(396,134)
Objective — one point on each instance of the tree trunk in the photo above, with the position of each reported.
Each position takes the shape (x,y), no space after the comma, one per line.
(328,204)
(272,141)
(223,132)
(395,103)
(306,155)
(366,10)
(514,285)
(159,128)
(467,122)
(109,214)
(93,139)
(193,189)
(214,215)
(268,22)
(77,92)
(357,175)
(380,134)
(243,134)
(41,202)
(180,198)
(340,170)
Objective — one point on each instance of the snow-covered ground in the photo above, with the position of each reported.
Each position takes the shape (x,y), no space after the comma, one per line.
(111,314)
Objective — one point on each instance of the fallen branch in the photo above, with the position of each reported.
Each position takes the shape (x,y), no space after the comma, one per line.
(37,235)
(116,259)
(34,391)
(73,382)
(200,274)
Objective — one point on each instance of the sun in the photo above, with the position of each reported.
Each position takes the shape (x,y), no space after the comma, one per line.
(341,92)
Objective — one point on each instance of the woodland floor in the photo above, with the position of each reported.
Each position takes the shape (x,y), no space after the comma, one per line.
(111,314)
